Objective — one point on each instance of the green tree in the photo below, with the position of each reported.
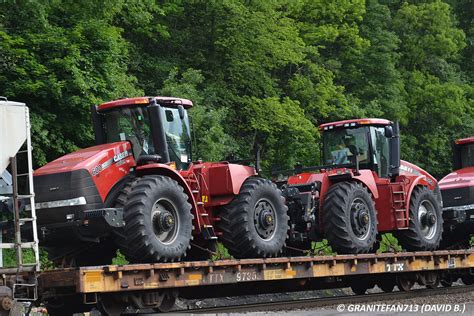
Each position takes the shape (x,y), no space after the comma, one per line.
(281,130)
(210,141)
(439,100)
(60,60)
(259,72)
(379,84)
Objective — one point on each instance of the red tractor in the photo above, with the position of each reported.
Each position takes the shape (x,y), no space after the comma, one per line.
(457,189)
(138,190)
(363,189)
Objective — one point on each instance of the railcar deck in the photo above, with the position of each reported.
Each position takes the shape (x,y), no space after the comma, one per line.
(138,277)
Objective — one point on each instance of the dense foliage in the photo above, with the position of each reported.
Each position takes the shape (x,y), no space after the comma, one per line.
(261,73)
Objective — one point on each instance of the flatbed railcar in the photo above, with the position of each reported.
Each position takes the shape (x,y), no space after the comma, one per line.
(113,288)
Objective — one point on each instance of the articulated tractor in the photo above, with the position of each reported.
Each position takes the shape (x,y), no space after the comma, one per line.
(362,190)
(138,190)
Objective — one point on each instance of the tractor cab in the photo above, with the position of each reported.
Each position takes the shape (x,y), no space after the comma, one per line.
(463,153)
(364,143)
(157,128)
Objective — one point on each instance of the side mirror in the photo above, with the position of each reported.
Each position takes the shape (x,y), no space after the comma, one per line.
(388,131)
(98,125)
(181,111)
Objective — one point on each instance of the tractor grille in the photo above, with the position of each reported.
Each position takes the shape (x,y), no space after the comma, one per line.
(458,196)
(65,186)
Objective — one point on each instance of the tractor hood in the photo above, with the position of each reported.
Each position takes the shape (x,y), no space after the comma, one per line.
(104,164)
(458,179)
(87,158)
(407,168)
(457,188)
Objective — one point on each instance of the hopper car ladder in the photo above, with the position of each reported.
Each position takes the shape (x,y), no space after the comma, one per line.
(23,290)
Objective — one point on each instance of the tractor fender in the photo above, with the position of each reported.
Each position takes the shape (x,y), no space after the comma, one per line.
(165,170)
(366,178)
(419,181)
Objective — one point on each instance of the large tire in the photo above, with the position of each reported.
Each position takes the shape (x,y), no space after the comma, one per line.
(426,222)
(158,221)
(255,223)
(349,217)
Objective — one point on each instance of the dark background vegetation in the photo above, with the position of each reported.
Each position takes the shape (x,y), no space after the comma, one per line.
(259,72)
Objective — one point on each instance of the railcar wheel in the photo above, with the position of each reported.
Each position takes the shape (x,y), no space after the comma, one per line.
(432,280)
(158,221)
(426,222)
(350,219)
(109,305)
(405,283)
(65,306)
(168,302)
(255,223)
(446,281)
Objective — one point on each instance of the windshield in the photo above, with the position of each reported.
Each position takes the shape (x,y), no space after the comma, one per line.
(341,146)
(467,155)
(130,124)
(178,136)
(133,124)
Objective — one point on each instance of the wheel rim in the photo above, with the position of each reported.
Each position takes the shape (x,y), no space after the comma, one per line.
(265,219)
(427,219)
(360,219)
(165,221)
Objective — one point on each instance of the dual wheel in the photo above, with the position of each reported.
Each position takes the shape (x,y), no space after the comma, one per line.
(350,220)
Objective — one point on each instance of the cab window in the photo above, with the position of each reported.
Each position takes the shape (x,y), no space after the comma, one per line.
(380,157)
(342,146)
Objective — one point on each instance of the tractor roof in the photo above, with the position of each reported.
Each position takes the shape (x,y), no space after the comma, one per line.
(463,141)
(355,122)
(143,101)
